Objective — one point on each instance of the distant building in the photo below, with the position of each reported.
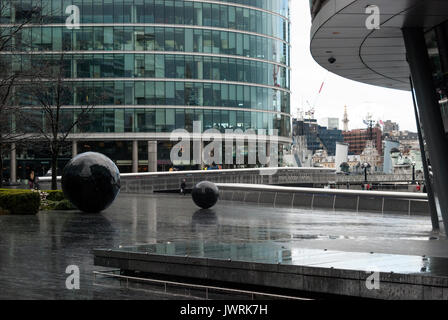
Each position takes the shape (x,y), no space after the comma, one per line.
(329,138)
(357,140)
(317,137)
(331,123)
(354,162)
(302,156)
(345,120)
(390,126)
(389,145)
(408,140)
(371,155)
(310,130)
(341,155)
(321,159)
(403,163)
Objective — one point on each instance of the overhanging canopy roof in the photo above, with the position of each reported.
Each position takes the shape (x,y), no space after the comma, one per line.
(376,57)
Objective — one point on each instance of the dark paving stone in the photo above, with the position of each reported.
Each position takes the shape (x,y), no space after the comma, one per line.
(35,250)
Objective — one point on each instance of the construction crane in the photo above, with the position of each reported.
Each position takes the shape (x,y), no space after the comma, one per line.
(311,111)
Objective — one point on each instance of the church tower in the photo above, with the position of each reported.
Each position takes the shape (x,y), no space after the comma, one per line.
(345,120)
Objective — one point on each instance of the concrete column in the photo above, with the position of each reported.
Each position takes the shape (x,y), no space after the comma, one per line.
(430,114)
(135,156)
(152,156)
(428,180)
(201,148)
(268,152)
(13,176)
(202,164)
(74,148)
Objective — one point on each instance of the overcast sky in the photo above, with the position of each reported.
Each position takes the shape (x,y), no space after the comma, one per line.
(307,77)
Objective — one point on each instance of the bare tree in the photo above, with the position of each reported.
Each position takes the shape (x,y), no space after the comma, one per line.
(12,25)
(7,134)
(52,94)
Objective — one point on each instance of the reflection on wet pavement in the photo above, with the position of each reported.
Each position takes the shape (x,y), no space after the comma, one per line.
(289,254)
(35,250)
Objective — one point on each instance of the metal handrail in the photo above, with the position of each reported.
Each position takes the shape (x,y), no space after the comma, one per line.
(210,172)
(195,286)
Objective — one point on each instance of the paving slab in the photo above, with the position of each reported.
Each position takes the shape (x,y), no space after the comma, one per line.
(36,250)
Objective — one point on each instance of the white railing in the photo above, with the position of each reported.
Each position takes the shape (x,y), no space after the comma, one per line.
(206,289)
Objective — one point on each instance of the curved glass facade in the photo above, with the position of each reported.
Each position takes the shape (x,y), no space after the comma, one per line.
(180,93)
(157,65)
(149,38)
(123,120)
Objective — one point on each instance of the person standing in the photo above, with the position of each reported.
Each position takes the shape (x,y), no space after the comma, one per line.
(32,180)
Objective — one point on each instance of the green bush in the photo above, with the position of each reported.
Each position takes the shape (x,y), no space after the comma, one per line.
(18,201)
(55,195)
(64,205)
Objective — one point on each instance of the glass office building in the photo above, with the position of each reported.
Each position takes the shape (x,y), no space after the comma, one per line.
(152,66)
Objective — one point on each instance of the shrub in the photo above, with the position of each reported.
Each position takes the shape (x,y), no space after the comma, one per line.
(18,201)
(55,195)
(64,205)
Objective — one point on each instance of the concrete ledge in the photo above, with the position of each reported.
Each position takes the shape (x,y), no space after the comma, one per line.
(346,202)
(285,276)
(168,181)
(284,199)
(315,198)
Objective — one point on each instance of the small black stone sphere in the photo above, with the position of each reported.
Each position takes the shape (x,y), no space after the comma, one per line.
(91,181)
(205,194)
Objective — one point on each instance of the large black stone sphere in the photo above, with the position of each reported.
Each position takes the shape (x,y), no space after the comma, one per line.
(205,194)
(91,181)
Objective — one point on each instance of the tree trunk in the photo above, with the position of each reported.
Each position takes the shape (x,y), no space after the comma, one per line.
(1,166)
(54,173)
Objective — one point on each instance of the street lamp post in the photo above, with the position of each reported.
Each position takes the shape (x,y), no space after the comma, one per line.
(365,165)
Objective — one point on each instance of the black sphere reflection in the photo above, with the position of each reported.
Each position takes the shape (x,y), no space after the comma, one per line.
(91,181)
(205,194)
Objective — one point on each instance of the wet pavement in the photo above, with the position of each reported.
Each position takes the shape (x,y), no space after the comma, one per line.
(35,250)
(293,254)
